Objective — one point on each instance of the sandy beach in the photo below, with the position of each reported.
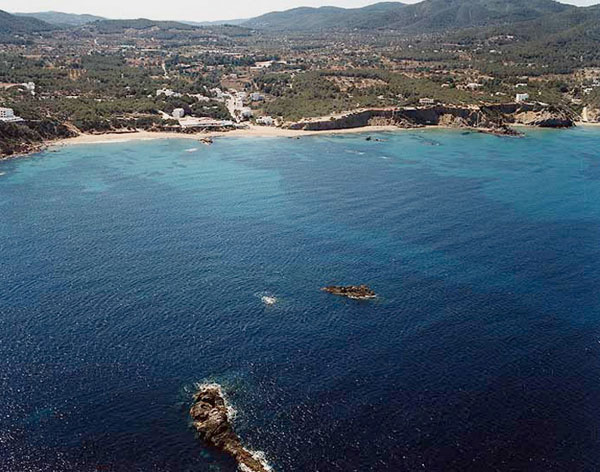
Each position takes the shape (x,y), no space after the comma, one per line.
(251,131)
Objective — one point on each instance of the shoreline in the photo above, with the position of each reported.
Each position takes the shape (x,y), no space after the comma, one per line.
(588,124)
(252,131)
(257,132)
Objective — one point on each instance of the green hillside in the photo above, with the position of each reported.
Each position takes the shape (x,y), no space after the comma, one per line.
(426,16)
(10,24)
(61,19)
(116,26)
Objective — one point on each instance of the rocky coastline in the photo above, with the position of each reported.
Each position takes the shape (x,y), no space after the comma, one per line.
(20,139)
(30,137)
(212,420)
(494,118)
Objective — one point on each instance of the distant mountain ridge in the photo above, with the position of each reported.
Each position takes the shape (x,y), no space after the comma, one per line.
(423,17)
(530,18)
(62,19)
(236,22)
(11,24)
(322,18)
(116,26)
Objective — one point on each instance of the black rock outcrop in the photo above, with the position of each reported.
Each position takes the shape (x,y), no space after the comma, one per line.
(355,292)
(211,419)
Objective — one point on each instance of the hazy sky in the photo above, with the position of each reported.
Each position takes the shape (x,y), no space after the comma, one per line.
(191,10)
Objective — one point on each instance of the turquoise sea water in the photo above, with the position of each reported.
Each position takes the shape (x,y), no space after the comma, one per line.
(131,271)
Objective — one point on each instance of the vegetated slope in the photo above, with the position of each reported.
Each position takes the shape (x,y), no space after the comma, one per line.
(426,16)
(19,24)
(61,19)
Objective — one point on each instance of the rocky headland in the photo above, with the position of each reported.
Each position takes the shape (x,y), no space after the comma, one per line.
(355,292)
(212,420)
(18,139)
(492,118)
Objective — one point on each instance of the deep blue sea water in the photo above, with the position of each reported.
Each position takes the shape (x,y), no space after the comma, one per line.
(131,271)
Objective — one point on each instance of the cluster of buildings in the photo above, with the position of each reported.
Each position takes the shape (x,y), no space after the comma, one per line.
(237,104)
(595,84)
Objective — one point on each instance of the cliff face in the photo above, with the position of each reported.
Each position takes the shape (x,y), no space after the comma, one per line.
(591,114)
(494,118)
(532,114)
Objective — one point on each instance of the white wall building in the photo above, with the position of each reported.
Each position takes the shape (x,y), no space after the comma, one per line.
(265,121)
(521,97)
(178,113)
(8,115)
(30,87)
(167,93)
(205,123)
(245,113)
(427,101)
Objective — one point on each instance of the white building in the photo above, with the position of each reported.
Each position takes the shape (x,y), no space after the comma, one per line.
(256,97)
(30,87)
(8,115)
(265,121)
(167,93)
(205,123)
(263,64)
(521,97)
(245,113)
(474,86)
(219,95)
(201,98)
(178,113)
(427,101)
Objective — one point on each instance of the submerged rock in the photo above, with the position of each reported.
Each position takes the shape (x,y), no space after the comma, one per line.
(212,420)
(355,292)
(501,130)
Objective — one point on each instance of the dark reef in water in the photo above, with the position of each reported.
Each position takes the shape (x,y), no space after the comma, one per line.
(212,421)
(355,292)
